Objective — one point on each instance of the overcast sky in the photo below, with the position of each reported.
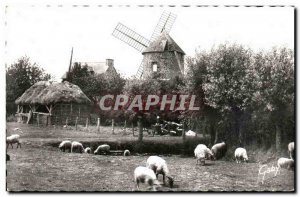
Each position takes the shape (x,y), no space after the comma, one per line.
(47,34)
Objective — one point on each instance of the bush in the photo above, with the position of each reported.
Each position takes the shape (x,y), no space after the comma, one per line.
(11,118)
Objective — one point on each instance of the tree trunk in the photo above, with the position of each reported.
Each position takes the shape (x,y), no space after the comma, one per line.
(278,138)
(212,133)
(216,136)
(183,131)
(140,126)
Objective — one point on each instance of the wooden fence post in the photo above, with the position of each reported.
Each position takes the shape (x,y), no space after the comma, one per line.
(98,124)
(132,129)
(113,126)
(38,119)
(76,122)
(87,123)
(183,131)
(140,126)
(124,129)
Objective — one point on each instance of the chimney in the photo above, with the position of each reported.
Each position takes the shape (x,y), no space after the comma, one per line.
(109,62)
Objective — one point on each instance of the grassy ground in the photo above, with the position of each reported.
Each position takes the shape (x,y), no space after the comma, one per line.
(40,167)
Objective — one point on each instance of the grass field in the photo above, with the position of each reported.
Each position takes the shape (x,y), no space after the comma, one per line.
(38,166)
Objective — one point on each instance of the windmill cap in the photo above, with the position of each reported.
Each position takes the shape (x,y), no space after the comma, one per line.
(162,43)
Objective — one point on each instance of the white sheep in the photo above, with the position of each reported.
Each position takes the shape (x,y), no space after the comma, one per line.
(77,147)
(191,133)
(87,150)
(240,155)
(159,166)
(65,145)
(102,148)
(201,152)
(291,149)
(13,139)
(145,175)
(285,163)
(219,150)
(18,129)
(126,153)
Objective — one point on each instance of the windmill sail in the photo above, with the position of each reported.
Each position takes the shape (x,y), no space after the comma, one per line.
(165,23)
(140,71)
(130,37)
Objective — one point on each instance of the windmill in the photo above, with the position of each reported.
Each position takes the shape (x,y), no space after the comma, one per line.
(161,54)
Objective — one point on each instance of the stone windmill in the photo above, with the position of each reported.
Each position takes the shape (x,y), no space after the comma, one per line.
(161,53)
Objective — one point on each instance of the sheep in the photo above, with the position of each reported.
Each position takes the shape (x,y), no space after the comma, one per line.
(159,166)
(201,152)
(219,150)
(87,150)
(285,163)
(240,155)
(13,139)
(17,129)
(102,148)
(77,146)
(126,153)
(291,150)
(65,145)
(191,133)
(145,175)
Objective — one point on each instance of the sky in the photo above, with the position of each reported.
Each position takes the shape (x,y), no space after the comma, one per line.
(47,34)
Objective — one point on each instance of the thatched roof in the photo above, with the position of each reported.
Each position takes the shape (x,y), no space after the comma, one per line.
(162,43)
(45,93)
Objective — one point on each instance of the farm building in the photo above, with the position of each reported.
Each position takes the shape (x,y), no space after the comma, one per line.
(106,68)
(49,103)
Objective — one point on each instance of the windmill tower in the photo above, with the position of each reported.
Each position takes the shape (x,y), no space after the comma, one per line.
(161,53)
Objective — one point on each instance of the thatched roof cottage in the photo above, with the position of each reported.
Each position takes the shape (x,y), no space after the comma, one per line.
(53,103)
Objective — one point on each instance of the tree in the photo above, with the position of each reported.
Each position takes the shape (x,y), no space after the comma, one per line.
(22,75)
(97,85)
(275,91)
(228,85)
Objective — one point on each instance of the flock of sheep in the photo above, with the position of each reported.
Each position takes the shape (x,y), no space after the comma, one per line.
(155,165)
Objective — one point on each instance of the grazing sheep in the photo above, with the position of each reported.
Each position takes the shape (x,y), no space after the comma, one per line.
(104,148)
(87,150)
(159,166)
(240,155)
(191,133)
(219,150)
(17,129)
(201,152)
(285,163)
(65,145)
(77,147)
(13,139)
(145,175)
(291,149)
(126,153)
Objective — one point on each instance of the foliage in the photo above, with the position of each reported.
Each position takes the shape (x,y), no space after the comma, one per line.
(246,95)
(153,86)
(97,85)
(22,75)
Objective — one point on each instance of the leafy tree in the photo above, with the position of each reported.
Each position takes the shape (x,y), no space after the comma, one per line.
(22,75)
(96,85)
(274,96)
(223,77)
(152,86)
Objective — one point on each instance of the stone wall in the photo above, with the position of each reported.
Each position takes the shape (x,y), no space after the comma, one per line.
(168,66)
